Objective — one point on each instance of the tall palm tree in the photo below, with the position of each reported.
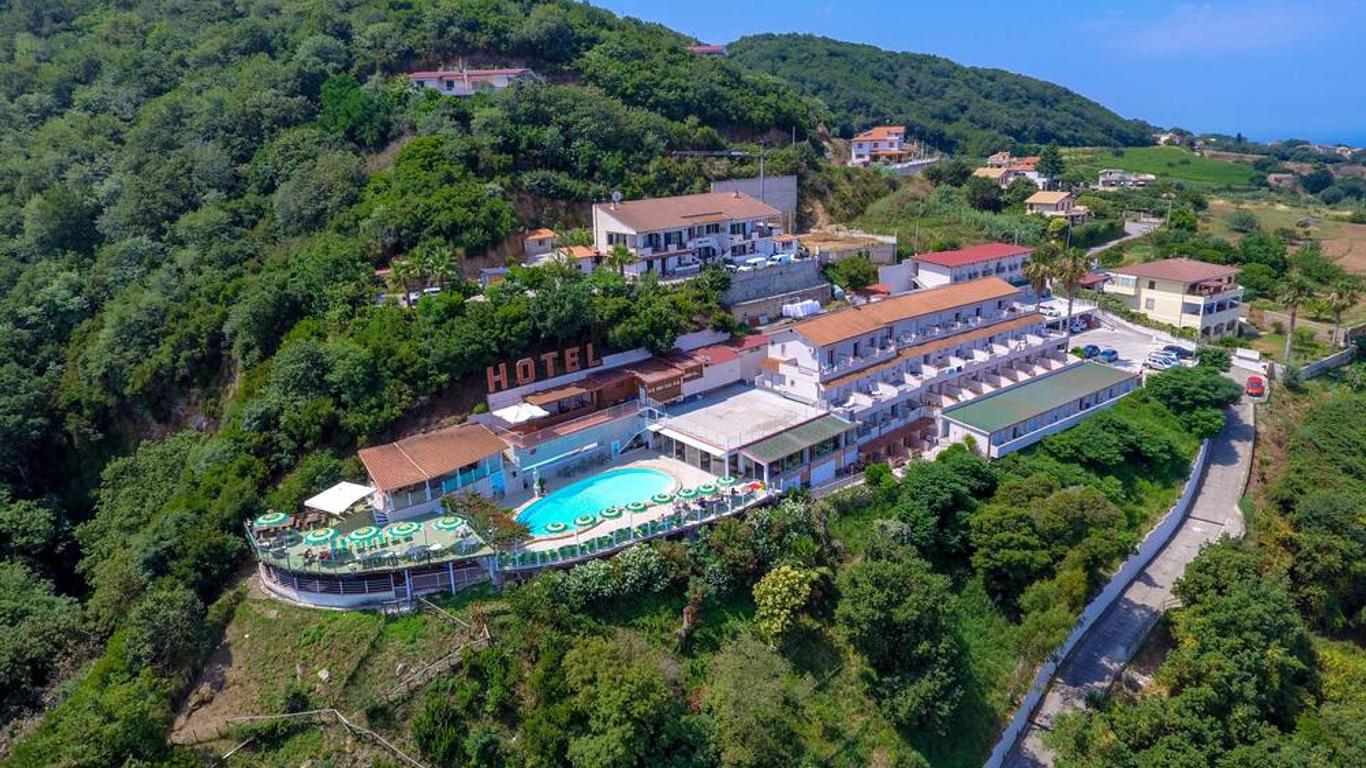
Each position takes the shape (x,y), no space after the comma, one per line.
(619,257)
(1069,269)
(403,272)
(1341,297)
(1037,271)
(1295,290)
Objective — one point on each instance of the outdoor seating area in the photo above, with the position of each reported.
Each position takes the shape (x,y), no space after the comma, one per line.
(361,545)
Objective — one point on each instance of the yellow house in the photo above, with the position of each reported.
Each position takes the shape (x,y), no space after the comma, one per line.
(1182,292)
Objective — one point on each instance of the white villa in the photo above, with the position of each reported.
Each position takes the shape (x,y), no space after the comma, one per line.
(677,236)
(467,82)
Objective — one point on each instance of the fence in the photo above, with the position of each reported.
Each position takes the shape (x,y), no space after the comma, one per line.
(1320,366)
(1153,543)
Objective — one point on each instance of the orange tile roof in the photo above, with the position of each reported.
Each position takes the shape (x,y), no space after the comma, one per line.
(542,234)
(1047,198)
(882,133)
(848,323)
(687,210)
(415,459)
(934,345)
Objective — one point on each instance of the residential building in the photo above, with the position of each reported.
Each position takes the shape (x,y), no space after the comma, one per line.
(1006,160)
(539,242)
(467,82)
(1057,204)
(890,365)
(1182,292)
(939,268)
(879,144)
(708,50)
(1002,176)
(1003,422)
(837,243)
(1114,178)
(758,435)
(411,475)
(677,236)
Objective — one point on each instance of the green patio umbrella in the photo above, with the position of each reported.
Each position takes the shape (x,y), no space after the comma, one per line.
(407,528)
(585,521)
(556,527)
(319,535)
(688,493)
(448,523)
(726,481)
(611,513)
(271,519)
(637,506)
(662,498)
(706,490)
(363,533)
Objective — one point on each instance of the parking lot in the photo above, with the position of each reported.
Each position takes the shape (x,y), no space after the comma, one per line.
(1133,347)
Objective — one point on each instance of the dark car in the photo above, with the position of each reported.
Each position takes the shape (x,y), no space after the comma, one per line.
(1108,355)
(1255,387)
(1090,350)
(1180,351)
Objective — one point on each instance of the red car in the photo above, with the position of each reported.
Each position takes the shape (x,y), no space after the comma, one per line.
(1255,386)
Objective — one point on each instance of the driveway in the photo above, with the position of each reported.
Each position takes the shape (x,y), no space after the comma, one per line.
(1099,657)
(1132,229)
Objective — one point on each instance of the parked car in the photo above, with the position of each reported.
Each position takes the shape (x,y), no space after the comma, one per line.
(1160,362)
(1179,351)
(1255,386)
(1078,325)
(1089,351)
(1049,310)
(1108,355)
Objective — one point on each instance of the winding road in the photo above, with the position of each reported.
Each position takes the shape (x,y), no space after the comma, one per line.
(1099,657)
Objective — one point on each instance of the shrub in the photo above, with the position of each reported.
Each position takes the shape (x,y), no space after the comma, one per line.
(1217,358)
(778,598)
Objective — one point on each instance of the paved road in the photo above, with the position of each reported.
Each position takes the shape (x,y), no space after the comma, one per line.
(1100,656)
(1132,229)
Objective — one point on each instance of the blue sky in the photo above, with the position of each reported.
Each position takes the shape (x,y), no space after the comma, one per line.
(1268,68)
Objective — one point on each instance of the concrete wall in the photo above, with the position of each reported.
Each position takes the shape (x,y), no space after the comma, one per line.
(769,308)
(899,277)
(772,281)
(778,191)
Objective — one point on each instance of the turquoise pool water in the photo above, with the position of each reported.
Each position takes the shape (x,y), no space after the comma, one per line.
(593,494)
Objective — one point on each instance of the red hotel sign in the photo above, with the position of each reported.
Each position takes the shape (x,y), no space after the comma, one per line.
(529,370)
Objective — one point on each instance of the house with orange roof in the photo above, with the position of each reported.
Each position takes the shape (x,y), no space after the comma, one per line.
(879,144)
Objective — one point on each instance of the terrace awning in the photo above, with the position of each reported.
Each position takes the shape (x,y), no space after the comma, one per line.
(798,438)
(339,498)
(545,397)
(520,413)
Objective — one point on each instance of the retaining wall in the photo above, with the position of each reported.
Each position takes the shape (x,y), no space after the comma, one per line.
(1153,543)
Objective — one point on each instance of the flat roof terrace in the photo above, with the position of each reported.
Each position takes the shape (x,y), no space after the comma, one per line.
(734,417)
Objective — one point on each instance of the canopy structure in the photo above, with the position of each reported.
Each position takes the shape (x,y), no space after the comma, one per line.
(520,413)
(339,498)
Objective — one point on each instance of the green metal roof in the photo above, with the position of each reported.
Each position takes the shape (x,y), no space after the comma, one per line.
(998,410)
(787,443)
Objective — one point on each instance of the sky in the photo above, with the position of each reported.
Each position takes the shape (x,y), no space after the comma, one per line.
(1266,68)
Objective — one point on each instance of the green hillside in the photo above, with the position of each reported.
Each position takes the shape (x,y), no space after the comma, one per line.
(962,109)
(1171,163)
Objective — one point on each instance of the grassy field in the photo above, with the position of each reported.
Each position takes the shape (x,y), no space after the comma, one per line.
(1170,163)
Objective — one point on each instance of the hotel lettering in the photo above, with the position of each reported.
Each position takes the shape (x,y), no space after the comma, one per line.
(529,370)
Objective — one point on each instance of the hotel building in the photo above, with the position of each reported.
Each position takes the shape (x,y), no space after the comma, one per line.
(940,268)
(890,366)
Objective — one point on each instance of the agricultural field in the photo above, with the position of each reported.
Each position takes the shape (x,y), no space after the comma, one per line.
(1167,163)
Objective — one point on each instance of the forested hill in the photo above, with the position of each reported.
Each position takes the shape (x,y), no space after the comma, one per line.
(956,108)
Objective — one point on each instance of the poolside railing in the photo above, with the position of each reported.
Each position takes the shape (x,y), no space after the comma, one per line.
(621,538)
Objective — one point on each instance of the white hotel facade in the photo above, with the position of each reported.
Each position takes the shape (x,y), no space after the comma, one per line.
(895,364)
(677,236)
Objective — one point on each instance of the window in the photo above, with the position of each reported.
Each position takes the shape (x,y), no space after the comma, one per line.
(1149,303)
(1152,285)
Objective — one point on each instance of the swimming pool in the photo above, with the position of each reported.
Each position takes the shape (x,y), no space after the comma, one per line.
(593,494)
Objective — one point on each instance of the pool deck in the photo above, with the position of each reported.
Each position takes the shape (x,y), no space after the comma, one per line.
(684,476)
